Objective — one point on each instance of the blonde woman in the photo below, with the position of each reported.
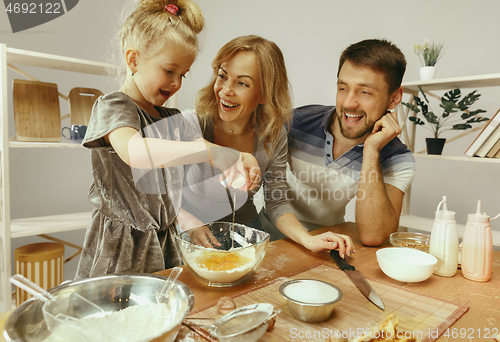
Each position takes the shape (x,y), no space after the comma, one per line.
(247,107)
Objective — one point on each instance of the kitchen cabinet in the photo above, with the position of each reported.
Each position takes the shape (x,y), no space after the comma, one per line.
(16,228)
(408,134)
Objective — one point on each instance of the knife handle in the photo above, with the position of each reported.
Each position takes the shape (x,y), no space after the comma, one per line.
(341,263)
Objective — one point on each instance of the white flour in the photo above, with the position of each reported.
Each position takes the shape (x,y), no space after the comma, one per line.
(132,324)
(310,291)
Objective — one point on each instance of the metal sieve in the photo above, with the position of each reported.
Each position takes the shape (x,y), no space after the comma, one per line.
(246,324)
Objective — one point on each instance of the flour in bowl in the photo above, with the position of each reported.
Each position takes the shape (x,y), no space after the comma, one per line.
(132,324)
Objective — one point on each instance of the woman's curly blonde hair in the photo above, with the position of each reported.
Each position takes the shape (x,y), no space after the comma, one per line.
(275,110)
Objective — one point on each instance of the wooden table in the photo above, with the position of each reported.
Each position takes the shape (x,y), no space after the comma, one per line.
(285,257)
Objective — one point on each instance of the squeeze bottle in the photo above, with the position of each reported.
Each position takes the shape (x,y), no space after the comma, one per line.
(444,241)
(477,247)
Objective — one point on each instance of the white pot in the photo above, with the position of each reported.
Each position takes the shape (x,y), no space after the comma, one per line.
(427,73)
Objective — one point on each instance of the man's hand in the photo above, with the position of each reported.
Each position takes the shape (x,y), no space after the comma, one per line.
(384,130)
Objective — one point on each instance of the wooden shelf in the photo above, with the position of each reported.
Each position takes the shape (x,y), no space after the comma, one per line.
(489,80)
(26,144)
(49,224)
(456,158)
(425,224)
(44,60)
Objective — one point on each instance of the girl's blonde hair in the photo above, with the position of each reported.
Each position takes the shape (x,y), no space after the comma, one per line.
(151,23)
(275,110)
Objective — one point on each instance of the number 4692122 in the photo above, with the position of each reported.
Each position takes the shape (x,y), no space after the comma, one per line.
(470,333)
(33,8)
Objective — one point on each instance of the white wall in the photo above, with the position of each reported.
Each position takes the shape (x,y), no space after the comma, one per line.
(311,34)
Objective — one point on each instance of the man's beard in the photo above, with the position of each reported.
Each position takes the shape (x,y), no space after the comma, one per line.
(353,135)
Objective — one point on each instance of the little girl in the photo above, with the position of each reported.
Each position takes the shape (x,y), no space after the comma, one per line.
(138,148)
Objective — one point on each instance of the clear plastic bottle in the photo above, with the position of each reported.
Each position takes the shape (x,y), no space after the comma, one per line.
(444,241)
(477,247)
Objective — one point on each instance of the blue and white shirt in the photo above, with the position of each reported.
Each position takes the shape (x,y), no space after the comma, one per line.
(319,188)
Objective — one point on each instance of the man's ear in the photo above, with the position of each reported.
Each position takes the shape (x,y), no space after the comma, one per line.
(396,98)
(132,57)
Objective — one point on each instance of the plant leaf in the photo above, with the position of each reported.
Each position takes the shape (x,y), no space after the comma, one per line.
(470,114)
(449,107)
(425,97)
(432,118)
(468,100)
(412,107)
(452,95)
(422,105)
(461,126)
(416,121)
(477,119)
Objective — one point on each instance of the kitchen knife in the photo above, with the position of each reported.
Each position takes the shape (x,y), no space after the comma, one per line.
(357,278)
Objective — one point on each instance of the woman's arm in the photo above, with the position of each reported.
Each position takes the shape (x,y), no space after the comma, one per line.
(279,210)
(289,225)
(150,153)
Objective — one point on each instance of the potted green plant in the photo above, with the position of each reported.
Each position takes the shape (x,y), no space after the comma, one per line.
(452,104)
(429,54)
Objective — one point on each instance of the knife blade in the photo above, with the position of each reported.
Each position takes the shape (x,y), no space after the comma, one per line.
(357,279)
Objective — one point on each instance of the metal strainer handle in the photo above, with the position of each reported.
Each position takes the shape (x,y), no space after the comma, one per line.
(29,286)
(174,274)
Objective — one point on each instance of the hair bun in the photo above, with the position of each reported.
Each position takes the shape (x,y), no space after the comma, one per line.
(189,12)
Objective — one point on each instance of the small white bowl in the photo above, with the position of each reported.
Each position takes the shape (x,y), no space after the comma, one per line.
(406,264)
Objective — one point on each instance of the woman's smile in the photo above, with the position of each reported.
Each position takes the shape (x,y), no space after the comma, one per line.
(238,88)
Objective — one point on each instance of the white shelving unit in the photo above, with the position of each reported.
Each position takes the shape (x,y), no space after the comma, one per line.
(9,229)
(412,88)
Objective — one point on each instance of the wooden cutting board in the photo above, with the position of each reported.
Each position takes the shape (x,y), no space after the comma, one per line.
(428,317)
(81,101)
(36,111)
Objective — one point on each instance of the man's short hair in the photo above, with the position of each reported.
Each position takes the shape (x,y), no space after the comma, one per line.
(379,55)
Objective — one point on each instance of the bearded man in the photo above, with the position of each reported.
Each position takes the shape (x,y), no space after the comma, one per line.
(351,150)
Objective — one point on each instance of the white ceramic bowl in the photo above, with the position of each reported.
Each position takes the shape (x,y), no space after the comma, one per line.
(406,264)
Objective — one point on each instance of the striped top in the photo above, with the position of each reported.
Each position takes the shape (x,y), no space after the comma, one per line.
(318,186)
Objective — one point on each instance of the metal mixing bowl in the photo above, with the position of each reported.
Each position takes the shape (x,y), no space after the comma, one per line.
(222,265)
(111,293)
(311,311)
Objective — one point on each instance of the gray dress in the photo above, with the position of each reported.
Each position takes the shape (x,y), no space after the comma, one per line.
(132,228)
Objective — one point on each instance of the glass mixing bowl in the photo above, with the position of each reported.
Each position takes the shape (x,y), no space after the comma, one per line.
(228,264)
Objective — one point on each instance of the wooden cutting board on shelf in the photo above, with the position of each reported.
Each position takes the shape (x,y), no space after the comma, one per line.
(81,101)
(37,114)
(425,317)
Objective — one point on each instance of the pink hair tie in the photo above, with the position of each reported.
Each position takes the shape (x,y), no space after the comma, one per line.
(172,9)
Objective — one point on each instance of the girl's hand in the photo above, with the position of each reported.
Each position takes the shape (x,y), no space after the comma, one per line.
(202,236)
(253,170)
(234,164)
(327,241)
